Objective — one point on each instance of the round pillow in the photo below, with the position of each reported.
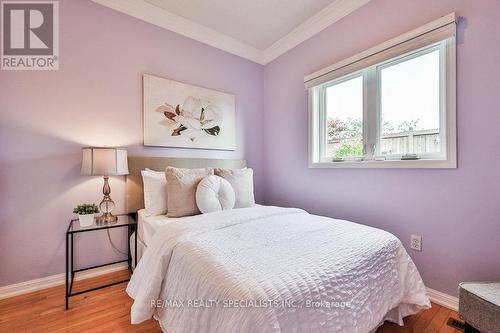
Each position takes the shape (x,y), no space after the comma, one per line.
(214,194)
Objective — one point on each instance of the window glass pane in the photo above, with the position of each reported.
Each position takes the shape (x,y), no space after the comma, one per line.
(344,116)
(410,106)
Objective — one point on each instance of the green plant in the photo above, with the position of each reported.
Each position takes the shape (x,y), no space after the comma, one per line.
(347,150)
(85,209)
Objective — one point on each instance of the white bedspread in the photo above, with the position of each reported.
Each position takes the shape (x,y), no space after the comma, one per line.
(303,273)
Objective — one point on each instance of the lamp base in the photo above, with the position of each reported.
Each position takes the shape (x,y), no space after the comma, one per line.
(106,206)
(106,219)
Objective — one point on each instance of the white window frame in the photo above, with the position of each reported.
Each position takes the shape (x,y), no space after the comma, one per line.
(322,109)
(447,158)
(441,47)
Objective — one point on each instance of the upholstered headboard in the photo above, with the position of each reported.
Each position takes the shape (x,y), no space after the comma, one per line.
(135,193)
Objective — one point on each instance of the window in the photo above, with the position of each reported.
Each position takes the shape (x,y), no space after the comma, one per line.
(344,118)
(390,108)
(409,105)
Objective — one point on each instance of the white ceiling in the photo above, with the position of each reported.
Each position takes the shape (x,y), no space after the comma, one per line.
(258,30)
(258,23)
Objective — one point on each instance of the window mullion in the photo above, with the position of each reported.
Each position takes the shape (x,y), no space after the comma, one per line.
(370,120)
(322,123)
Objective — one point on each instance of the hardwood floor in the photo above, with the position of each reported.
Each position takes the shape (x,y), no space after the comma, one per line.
(108,310)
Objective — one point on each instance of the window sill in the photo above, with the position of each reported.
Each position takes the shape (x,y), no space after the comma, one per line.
(388,164)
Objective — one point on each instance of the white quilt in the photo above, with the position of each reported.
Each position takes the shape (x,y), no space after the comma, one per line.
(270,269)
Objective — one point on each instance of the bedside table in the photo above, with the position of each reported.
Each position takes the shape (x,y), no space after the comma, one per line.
(124,221)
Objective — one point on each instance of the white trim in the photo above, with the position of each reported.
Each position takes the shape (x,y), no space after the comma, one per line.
(435,296)
(440,22)
(320,21)
(389,164)
(55,280)
(162,18)
(448,301)
(446,45)
(451,101)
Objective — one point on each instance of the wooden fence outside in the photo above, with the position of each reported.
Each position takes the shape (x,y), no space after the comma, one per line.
(415,142)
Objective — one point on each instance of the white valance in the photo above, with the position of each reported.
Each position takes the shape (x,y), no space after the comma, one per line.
(431,33)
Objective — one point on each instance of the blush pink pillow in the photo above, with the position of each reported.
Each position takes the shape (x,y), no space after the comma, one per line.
(242,182)
(181,190)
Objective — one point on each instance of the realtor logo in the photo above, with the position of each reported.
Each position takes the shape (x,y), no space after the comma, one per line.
(30,35)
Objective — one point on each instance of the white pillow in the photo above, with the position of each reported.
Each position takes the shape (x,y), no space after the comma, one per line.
(214,194)
(242,182)
(155,192)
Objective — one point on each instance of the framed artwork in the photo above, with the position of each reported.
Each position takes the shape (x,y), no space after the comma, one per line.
(185,116)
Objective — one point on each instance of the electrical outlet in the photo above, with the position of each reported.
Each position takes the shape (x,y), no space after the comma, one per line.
(416,242)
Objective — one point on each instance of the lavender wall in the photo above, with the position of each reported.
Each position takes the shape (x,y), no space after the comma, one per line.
(96,99)
(456,211)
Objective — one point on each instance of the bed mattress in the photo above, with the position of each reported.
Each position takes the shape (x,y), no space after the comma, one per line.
(147,226)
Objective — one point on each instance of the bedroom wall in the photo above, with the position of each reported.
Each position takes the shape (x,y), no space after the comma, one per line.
(96,99)
(456,211)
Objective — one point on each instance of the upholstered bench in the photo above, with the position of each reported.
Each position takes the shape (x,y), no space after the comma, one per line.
(479,306)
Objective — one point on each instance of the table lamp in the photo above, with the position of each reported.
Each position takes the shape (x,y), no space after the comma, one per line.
(99,161)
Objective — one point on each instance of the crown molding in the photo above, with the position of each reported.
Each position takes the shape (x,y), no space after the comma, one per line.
(158,16)
(162,18)
(318,22)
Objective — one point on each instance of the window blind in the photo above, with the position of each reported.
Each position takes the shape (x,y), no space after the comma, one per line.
(431,33)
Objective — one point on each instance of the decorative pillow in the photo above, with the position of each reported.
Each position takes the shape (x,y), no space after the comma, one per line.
(155,192)
(242,182)
(181,190)
(213,194)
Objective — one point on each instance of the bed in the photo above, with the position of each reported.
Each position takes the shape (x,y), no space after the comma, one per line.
(271,269)
(148,225)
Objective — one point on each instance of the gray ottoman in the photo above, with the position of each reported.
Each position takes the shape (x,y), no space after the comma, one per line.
(479,306)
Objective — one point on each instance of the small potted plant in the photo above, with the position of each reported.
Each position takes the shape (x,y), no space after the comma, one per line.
(86,214)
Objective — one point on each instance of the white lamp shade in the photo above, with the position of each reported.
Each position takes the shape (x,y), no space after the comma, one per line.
(104,161)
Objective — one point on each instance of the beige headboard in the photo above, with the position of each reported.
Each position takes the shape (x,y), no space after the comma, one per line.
(135,194)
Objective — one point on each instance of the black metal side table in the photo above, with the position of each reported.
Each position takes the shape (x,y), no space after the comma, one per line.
(124,221)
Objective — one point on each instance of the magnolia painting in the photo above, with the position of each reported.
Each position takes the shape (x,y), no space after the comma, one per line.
(182,115)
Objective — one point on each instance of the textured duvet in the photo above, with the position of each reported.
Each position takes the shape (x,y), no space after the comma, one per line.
(270,269)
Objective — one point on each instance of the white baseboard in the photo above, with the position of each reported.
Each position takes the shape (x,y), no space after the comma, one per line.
(448,301)
(437,297)
(55,280)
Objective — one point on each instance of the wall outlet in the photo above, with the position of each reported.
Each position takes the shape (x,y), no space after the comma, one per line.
(416,242)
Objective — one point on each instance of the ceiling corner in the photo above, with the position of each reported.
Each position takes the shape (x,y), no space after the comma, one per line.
(162,18)
(149,13)
(320,21)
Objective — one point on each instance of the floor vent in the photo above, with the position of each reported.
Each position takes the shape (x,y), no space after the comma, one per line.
(455,323)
